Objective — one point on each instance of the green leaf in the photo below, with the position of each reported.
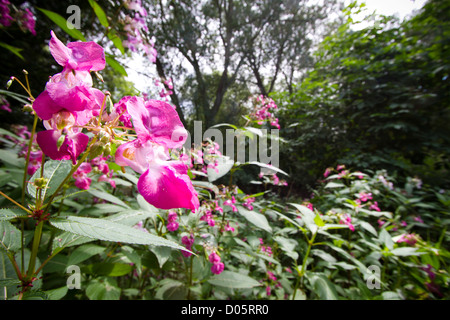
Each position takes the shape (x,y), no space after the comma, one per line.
(12,49)
(84,252)
(224,166)
(112,35)
(113,63)
(368,227)
(233,280)
(130,217)
(318,221)
(406,252)
(110,231)
(386,239)
(323,287)
(11,158)
(8,214)
(263,165)
(255,218)
(10,237)
(108,197)
(101,15)
(55,171)
(63,24)
(307,216)
(103,289)
(108,269)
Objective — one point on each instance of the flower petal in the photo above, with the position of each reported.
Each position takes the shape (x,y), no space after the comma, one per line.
(166,188)
(157,121)
(74,144)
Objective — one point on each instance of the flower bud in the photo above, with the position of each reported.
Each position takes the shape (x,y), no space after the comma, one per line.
(40,182)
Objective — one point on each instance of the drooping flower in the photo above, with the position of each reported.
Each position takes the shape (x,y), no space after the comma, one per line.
(163,183)
(188,242)
(217,266)
(82,181)
(69,101)
(172,224)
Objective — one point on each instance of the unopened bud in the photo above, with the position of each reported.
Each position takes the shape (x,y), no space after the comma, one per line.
(27,108)
(104,137)
(99,76)
(109,105)
(40,182)
(96,150)
(25,71)
(107,150)
(60,141)
(9,83)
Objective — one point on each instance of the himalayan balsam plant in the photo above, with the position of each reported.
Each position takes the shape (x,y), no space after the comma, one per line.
(82,128)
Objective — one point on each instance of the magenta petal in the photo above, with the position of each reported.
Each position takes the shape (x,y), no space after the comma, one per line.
(132,154)
(81,56)
(74,144)
(58,50)
(89,56)
(165,188)
(157,121)
(45,107)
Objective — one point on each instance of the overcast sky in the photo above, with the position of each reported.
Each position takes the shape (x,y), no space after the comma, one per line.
(391,7)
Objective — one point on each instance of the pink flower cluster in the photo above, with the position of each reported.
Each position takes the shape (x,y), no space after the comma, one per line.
(263,111)
(347,220)
(248,203)
(203,157)
(266,249)
(4,104)
(167,84)
(98,165)
(188,241)
(172,223)
(136,28)
(23,16)
(217,266)
(69,104)
(409,238)
(273,179)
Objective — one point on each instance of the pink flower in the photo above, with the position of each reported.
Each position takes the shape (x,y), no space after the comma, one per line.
(78,56)
(327,172)
(410,239)
(347,220)
(188,242)
(69,101)
(82,181)
(5,17)
(418,219)
(73,145)
(217,268)
(172,224)
(163,183)
(374,206)
(365,196)
(214,257)
(35,162)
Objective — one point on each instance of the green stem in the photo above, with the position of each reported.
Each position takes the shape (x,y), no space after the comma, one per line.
(30,144)
(305,258)
(74,168)
(35,248)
